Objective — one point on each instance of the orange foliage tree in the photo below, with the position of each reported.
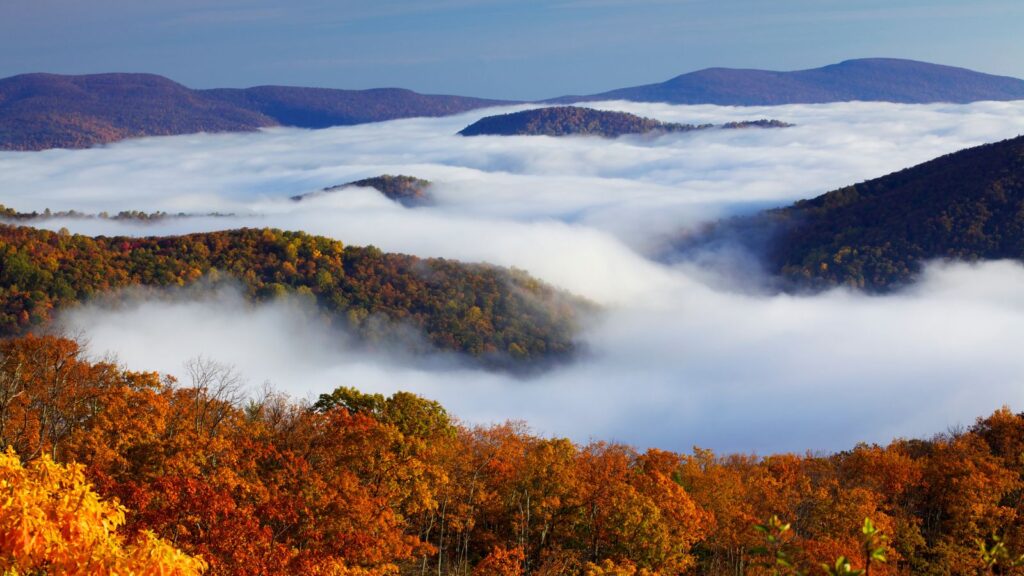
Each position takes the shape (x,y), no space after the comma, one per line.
(366,485)
(52,522)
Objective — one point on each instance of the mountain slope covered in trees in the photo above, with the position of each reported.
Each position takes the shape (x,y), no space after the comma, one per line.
(502,317)
(877,235)
(575,120)
(40,111)
(571,120)
(868,79)
(361,485)
(406,190)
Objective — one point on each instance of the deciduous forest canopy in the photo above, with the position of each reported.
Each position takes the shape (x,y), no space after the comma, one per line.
(365,484)
(497,315)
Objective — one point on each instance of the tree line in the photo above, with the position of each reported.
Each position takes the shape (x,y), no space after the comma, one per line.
(363,484)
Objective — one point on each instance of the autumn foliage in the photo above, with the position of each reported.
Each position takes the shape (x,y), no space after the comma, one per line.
(368,485)
(502,317)
(52,522)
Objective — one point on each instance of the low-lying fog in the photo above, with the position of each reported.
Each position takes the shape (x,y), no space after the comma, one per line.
(676,361)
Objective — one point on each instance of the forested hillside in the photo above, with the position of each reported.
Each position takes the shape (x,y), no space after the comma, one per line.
(491,313)
(877,235)
(406,190)
(574,120)
(360,484)
(570,120)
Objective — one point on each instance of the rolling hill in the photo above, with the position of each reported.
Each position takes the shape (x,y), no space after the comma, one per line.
(41,111)
(406,190)
(574,120)
(324,107)
(869,79)
(500,317)
(570,120)
(876,235)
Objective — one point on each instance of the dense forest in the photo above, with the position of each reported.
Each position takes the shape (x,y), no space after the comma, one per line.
(572,120)
(502,317)
(41,111)
(406,190)
(362,484)
(575,120)
(762,123)
(877,235)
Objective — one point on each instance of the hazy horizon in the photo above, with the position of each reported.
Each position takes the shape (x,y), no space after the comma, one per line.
(492,48)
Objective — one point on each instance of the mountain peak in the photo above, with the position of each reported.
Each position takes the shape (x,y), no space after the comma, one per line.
(864,79)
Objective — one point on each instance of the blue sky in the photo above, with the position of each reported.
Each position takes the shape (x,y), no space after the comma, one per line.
(521,49)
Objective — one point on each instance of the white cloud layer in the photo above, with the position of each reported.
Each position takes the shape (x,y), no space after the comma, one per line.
(682,366)
(675,363)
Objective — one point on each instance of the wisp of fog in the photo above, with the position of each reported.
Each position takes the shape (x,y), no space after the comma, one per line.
(675,360)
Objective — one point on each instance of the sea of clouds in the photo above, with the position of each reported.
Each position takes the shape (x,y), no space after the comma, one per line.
(681,357)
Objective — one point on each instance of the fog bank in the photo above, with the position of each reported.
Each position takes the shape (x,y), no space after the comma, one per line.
(680,358)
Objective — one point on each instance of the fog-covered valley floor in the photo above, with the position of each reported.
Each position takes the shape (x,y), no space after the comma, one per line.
(680,356)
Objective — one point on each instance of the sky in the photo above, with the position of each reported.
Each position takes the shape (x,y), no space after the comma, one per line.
(681,354)
(512,49)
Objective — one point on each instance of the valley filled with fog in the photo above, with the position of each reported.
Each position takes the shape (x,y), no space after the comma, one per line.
(680,355)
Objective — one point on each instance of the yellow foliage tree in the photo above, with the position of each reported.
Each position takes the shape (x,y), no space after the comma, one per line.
(610,568)
(51,522)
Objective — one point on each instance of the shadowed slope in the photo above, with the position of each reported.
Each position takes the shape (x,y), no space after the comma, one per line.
(877,234)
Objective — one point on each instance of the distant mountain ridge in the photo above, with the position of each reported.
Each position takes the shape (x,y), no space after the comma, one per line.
(867,79)
(325,107)
(41,111)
